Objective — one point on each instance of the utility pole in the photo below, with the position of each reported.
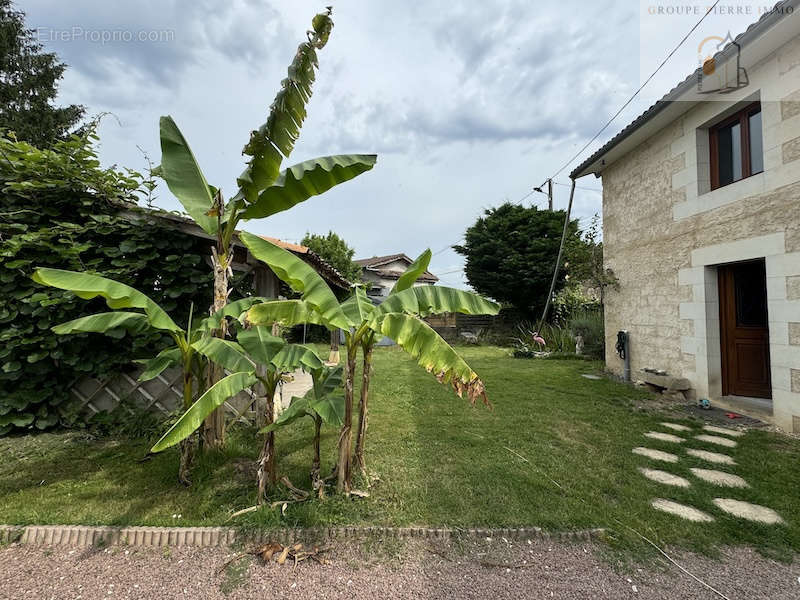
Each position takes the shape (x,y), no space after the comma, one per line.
(550,194)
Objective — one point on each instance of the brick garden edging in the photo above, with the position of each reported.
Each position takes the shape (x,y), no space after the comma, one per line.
(212,537)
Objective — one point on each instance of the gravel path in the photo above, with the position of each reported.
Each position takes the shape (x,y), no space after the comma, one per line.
(377,571)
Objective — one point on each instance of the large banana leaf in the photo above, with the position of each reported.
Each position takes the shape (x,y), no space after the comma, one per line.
(102,322)
(413,272)
(286,312)
(300,277)
(299,407)
(223,352)
(435,299)
(204,406)
(286,115)
(260,344)
(433,353)
(330,408)
(320,400)
(117,295)
(233,309)
(327,380)
(358,307)
(184,177)
(153,367)
(296,356)
(306,179)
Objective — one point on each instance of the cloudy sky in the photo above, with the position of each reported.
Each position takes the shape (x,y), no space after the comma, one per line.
(468,104)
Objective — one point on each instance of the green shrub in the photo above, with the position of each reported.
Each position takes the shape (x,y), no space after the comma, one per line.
(557,339)
(590,326)
(60,209)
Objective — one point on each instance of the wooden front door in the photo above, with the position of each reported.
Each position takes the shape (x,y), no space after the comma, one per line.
(743,330)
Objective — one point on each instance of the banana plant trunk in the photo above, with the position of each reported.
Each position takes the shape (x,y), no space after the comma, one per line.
(187,446)
(266,461)
(363,411)
(317,484)
(344,467)
(213,435)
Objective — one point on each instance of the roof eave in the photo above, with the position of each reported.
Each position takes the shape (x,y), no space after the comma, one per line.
(685,95)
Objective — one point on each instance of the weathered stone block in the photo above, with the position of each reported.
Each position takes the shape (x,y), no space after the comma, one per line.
(666,382)
(793,288)
(790,105)
(791,150)
(796,381)
(794,334)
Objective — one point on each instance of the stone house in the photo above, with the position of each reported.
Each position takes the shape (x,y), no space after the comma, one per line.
(701,224)
(380,273)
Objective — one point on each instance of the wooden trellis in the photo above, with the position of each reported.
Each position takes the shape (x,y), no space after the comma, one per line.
(163,394)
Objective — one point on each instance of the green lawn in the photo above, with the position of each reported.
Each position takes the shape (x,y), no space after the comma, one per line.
(440,463)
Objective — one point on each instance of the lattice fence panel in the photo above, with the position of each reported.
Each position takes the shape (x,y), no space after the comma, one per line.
(163,394)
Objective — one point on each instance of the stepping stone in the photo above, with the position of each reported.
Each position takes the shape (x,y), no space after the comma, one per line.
(719,478)
(664,477)
(751,512)
(676,427)
(664,437)
(655,454)
(714,457)
(686,512)
(715,439)
(723,431)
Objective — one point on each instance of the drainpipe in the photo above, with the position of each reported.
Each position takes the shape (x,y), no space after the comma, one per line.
(623,348)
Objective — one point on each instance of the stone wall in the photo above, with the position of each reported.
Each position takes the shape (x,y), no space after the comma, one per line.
(664,231)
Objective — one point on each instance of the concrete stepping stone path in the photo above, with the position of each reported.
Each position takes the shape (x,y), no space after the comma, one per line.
(664,437)
(664,477)
(723,431)
(714,439)
(655,454)
(719,478)
(675,426)
(714,457)
(681,510)
(745,510)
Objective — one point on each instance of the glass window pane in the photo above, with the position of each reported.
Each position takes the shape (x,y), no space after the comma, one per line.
(750,285)
(729,154)
(756,144)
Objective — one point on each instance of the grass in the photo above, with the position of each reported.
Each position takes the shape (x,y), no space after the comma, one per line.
(555,453)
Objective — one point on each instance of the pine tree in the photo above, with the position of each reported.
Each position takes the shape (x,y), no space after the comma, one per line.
(28,80)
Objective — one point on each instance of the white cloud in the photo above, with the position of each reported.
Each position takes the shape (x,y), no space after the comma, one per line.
(469,104)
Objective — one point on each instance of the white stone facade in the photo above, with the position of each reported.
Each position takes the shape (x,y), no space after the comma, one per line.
(665,232)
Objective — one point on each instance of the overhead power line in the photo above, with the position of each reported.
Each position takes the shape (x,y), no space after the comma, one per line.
(635,94)
(578,187)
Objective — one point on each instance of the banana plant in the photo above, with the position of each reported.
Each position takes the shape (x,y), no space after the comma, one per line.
(152,317)
(399,318)
(263,188)
(256,357)
(323,404)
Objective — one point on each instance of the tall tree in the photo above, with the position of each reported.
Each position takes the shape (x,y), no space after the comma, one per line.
(511,252)
(336,252)
(28,84)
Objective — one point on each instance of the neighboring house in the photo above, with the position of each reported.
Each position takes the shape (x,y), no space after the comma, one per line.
(380,273)
(701,224)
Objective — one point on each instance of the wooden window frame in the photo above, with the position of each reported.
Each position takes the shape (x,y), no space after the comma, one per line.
(743,118)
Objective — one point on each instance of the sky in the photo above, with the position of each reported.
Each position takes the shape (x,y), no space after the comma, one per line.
(468,104)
